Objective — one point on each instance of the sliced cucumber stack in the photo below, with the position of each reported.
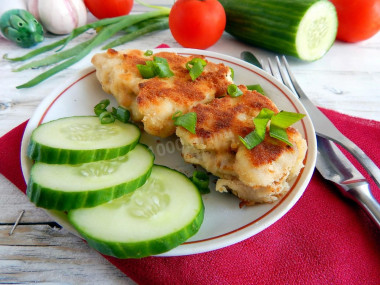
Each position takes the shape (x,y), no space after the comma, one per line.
(67,186)
(157,217)
(81,139)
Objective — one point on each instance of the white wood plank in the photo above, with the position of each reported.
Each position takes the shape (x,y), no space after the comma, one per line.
(13,201)
(39,253)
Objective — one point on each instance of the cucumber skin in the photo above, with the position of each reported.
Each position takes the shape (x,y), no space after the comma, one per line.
(269,24)
(146,248)
(63,201)
(42,153)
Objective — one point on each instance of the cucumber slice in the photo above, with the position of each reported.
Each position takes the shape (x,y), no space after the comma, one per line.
(316,31)
(68,186)
(81,139)
(157,217)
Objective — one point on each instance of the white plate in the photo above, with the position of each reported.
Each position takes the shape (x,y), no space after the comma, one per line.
(224,223)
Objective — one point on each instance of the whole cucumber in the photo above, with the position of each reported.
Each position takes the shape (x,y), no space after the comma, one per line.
(302,28)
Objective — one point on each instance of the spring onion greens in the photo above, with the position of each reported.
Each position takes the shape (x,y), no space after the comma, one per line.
(232,73)
(105,28)
(159,66)
(201,180)
(148,52)
(234,91)
(256,87)
(107,117)
(141,29)
(278,124)
(101,107)
(195,67)
(257,136)
(62,43)
(187,121)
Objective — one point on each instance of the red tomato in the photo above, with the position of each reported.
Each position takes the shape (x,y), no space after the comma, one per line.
(197,23)
(109,8)
(358,19)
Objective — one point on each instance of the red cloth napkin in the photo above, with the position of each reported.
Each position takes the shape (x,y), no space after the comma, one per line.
(323,239)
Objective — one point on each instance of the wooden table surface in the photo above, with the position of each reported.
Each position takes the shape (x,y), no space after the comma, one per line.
(346,79)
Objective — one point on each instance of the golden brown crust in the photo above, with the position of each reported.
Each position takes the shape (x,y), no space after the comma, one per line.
(259,175)
(154,101)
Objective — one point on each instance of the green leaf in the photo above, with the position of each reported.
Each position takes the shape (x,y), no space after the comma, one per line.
(101,107)
(201,180)
(106,118)
(195,67)
(158,67)
(187,121)
(258,134)
(279,133)
(256,87)
(285,119)
(148,52)
(234,91)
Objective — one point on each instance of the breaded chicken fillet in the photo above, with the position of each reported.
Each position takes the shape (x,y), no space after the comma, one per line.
(154,101)
(259,175)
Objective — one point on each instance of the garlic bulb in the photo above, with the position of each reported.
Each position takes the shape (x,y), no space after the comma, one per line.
(59,16)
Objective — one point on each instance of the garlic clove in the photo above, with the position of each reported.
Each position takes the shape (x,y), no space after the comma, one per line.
(59,16)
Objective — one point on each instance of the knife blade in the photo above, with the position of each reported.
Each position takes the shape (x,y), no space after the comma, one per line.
(334,166)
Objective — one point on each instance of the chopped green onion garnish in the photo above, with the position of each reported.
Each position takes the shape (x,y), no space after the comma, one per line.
(187,121)
(279,133)
(234,91)
(146,71)
(148,52)
(101,106)
(163,70)
(285,119)
(232,73)
(106,118)
(158,67)
(121,114)
(201,180)
(256,87)
(280,122)
(257,136)
(277,129)
(195,67)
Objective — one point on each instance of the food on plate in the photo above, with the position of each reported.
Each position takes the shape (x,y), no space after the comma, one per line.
(81,139)
(211,125)
(160,215)
(257,175)
(153,101)
(302,28)
(126,206)
(71,186)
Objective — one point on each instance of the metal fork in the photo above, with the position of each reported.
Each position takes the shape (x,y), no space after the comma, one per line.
(331,162)
(323,126)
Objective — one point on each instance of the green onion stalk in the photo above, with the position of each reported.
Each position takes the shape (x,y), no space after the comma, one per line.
(135,26)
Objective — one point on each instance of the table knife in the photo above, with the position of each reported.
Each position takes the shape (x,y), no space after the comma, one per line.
(334,166)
